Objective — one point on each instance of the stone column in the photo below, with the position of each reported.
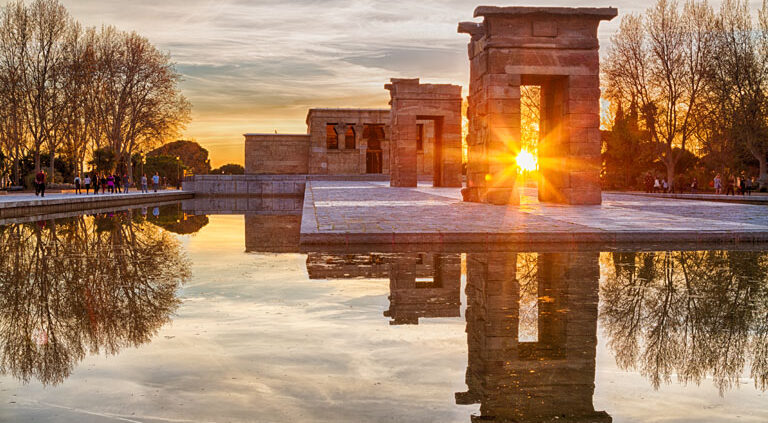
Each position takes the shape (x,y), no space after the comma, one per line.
(403,152)
(502,135)
(341,131)
(361,146)
(386,166)
(583,105)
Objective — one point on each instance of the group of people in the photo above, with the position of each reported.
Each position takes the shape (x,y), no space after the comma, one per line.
(736,185)
(112,183)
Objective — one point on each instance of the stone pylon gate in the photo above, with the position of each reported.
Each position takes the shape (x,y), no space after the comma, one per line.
(412,101)
(555,48)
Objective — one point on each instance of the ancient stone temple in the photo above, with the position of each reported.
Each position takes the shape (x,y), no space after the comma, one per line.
(348,141)
(555,48)
(414,104)
(338,141)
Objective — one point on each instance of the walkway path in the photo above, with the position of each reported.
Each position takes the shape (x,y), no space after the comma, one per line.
(17,205)
(755,198)
(372,212)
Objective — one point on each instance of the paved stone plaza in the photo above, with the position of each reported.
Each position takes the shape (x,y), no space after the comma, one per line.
(372,212)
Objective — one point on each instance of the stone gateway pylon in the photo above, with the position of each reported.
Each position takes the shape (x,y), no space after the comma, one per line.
(555,48)
(411,102)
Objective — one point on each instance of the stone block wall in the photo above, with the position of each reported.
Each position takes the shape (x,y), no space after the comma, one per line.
(412,102)
(276,154)
(245,185)
(350,157)
(557,49)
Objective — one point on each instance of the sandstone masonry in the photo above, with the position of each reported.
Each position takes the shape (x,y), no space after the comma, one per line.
(557,49)
(413,102)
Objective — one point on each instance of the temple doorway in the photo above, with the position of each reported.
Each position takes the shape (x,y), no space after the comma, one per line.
(374,134)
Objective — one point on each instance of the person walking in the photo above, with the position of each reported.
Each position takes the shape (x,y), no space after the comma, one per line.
(144,184)
(118,181)
(718,183)
(753,185)
(664,185)
(87,181)
(40,183)
(126,183)
(155,181)
(656,185)
(731,186)
(77,185)
(96,184)
(743,184)
(694,185)
(111,183)
(103,181)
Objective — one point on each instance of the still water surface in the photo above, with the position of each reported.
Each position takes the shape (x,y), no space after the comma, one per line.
(153,315)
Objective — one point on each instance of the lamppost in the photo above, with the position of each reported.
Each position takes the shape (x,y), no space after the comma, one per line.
(178,172)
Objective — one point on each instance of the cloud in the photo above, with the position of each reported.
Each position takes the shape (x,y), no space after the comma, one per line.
(257,65)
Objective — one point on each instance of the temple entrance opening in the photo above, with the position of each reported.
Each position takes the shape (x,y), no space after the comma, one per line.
(374,135)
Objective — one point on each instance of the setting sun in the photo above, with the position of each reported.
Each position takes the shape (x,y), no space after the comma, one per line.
(526,161)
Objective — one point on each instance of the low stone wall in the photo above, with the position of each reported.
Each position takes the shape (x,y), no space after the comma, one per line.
(252,185)
(262,185)
(71,203)
(276,154)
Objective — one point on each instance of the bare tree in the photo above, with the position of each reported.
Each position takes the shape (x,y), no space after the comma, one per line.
(71,91)
(43,60)
(659,62)
(14,37)
(141,106)
(739,78)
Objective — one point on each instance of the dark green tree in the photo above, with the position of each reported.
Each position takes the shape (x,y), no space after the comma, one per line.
(229,169)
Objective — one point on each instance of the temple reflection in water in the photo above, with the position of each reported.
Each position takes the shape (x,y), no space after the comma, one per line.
(552,375)
(549,298)
(420,284)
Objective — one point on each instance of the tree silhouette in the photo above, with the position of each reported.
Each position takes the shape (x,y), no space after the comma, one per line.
(81,286)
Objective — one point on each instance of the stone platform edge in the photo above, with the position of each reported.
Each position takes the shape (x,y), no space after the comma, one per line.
(519,238)
(311,237)
(72,203)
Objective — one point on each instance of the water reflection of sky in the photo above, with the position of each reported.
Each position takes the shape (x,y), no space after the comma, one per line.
(265,337)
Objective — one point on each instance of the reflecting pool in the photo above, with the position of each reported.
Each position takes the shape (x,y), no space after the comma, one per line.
(167,313)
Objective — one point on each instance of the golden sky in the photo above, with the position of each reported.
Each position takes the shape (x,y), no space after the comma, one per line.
(258,65)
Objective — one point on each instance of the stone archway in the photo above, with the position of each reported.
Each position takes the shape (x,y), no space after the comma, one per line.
(557,49)
(412,101)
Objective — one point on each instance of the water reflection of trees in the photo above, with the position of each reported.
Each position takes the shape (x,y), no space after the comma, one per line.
(82,286)
(171,217)
(691,314)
